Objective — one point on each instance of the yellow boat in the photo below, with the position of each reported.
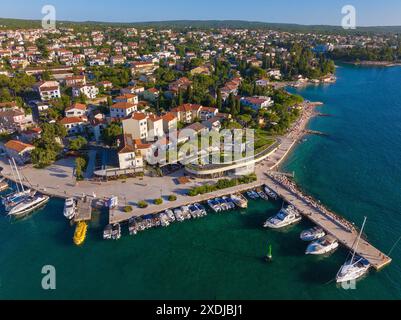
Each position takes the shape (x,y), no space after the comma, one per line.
(80,233)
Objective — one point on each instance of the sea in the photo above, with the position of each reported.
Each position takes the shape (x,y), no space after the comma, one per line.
(355,170)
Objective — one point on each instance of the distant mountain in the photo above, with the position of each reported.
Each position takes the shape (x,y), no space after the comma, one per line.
(207,24)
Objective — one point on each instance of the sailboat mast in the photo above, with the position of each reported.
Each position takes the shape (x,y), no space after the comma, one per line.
(19,177)
(13,173)
(358,240)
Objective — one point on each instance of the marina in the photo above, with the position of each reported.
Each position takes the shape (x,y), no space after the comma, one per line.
(339,229)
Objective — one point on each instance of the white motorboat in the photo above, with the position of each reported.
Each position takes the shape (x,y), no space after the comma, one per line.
(108,232)
(164,220)
(271,193)
(215,206)
(252,194)
(70,208)
(229,203)
(357,266)
(29,204)
(116,231)
(202,209)
(170,215)
(240,201)
(194,211)
(223,205)
(186,213)
(322,246)
(312,234)
(286,217)
(262,195)
(179,215)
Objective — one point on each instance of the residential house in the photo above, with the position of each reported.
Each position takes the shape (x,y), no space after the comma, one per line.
(76,110)
(136,126)
(19,150)
(133,90)
(75,81)
(127,98)
(257,103)
(155,126)
(90,91)
(116,60)
(14,119)
(48,90)
(128,156)
(122,110)
(151,94)
(208,112)
(31,134)
(187,113)
(74,125)
(169,122)
(142,67)
(181,84)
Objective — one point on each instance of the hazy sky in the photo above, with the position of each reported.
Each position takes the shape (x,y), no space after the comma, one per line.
(369,12)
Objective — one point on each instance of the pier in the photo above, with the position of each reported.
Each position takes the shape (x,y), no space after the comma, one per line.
(341,229)
(84,209)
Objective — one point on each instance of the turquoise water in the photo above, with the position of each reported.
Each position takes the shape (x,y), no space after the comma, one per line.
(355,171)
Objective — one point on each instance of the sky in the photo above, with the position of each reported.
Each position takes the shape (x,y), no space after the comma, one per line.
(328,12)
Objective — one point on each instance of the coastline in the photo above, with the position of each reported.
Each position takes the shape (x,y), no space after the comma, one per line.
(369,63)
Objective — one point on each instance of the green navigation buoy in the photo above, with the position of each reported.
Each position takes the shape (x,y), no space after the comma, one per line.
(269,256)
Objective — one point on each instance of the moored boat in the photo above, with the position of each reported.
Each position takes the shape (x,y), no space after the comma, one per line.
(215,206)
(322,246)
(270,193)
(116,231)
(286,217)
(357,266)
(80,233)
(70,208)
(28,205)
(262,195)
(107,232)
(312,234)
(240,201)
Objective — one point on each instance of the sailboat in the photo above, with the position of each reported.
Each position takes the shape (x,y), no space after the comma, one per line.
(13,199)
(357,266)
(23,201)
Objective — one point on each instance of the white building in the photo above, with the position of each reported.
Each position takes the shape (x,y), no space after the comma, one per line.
(122,109)
(136,126)
(48,90)
(128,157)
(76,110)
(90,91)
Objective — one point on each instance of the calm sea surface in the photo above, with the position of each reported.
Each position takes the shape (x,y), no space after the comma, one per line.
(355,171)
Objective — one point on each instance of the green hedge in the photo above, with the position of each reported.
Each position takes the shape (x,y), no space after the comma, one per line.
(222,184)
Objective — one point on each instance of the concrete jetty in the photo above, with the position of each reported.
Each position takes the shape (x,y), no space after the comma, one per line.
(84,209)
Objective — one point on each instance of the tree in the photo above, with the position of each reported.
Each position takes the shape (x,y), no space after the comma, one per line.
(42,158)
(80,164)
(219,100)
(78,143)
(111,133)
